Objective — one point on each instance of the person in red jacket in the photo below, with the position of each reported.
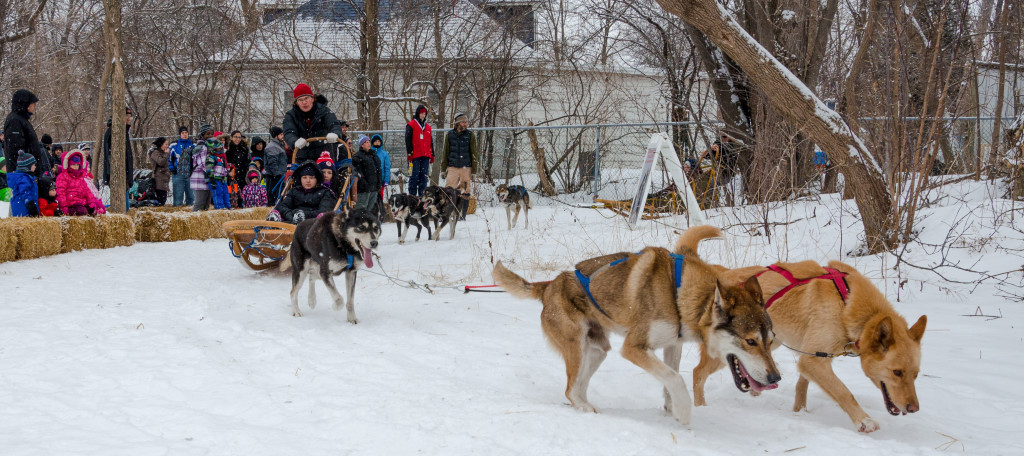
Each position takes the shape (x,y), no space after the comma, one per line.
(419,149)
(48,198)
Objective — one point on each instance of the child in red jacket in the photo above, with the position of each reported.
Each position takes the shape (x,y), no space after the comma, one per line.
(48,198)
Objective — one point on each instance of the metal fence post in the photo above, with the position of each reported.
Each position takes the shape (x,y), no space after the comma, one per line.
(597,164)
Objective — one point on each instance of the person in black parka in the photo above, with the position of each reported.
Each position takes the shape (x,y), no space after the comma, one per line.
(129,161)
(307,198)
(310,118)
(19,133)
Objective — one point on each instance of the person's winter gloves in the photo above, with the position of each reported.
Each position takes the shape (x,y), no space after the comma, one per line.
(32,208)
(298,217)
(332,138)
(301,142)
(431,159)
(213,185)
(274,216)
(58,213)
(444,174)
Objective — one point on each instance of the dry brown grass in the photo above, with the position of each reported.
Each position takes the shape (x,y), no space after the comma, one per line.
(8,241)
(118,230)
(80,233)
(24,238)
(36,237)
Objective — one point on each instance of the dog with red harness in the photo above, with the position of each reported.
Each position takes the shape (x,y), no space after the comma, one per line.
(827,312)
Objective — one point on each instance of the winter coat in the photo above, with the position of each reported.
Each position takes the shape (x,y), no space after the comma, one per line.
(175,151)
(237,154)
(129,161)
(48,208)
(310,203)
(418,140)
(216,167)
(197,180)
(254,195)
(367,165)
(159,163)
(459,150)
(275,159)
(73,187)
(24,194)
(385,160)
(319,121)
(47,204)
(19,133)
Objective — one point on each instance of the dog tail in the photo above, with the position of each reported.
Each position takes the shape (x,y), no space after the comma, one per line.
(286,263)
(515,285)
(687,242)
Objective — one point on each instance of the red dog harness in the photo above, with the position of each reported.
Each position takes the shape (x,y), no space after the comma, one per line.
(837,278)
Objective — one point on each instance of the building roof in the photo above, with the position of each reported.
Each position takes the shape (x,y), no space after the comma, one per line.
(329,30)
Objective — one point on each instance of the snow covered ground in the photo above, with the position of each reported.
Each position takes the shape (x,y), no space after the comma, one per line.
(174,348)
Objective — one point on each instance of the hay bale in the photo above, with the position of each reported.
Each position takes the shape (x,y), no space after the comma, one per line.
(37,237)
(8,241)
(118,230)
(151,226)
(80,233)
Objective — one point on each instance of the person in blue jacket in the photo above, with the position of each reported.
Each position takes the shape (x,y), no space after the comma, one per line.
(180,188)
(23,186)
(385,160)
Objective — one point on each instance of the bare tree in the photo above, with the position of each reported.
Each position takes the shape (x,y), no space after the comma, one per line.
(112,34)
(791,98)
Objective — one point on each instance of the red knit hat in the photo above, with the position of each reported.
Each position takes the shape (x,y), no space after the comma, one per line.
(325,162)
(300,90)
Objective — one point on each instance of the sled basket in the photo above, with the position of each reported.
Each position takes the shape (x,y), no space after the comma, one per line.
(258,244)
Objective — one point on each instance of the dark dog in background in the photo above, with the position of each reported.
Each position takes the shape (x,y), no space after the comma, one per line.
(514,196)
(445,205)
(327,246)
(407,210)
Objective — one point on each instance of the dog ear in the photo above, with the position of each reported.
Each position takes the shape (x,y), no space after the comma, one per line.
(917,331)
(754,288)
(720,302)
(882,335)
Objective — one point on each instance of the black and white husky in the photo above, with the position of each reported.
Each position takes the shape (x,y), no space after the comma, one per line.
(327,246)
(514,196)
(445,206)
(407,211)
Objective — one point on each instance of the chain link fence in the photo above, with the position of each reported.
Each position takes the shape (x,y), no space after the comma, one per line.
(603,161)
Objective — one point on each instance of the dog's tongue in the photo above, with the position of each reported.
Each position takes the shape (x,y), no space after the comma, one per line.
(367,257)
(754,384)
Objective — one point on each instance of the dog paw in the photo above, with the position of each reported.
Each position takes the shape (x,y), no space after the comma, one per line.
(585,407)
(868,425)
(353,320)
(296,314)
(755,393)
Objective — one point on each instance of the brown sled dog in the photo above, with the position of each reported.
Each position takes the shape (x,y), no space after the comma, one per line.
(656,300)
(813,318)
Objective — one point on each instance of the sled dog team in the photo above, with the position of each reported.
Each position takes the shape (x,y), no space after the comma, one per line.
(659,299)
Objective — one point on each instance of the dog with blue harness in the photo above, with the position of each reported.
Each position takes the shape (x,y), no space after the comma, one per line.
(656,299)
(514,196)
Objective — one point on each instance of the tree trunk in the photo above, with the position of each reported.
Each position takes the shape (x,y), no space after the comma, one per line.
(538,155)
(112,32)
(101,108)
(791,98)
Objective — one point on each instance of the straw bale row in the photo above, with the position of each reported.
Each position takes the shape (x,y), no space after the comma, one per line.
(25,238)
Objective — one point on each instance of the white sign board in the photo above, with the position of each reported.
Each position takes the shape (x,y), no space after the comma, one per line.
(660,145)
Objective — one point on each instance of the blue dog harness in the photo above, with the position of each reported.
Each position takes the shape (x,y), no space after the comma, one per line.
(585,281)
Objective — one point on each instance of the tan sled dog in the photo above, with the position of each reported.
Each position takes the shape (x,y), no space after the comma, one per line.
(815,319)
(657,299)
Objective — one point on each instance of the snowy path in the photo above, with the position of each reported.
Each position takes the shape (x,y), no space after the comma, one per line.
(175,349)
